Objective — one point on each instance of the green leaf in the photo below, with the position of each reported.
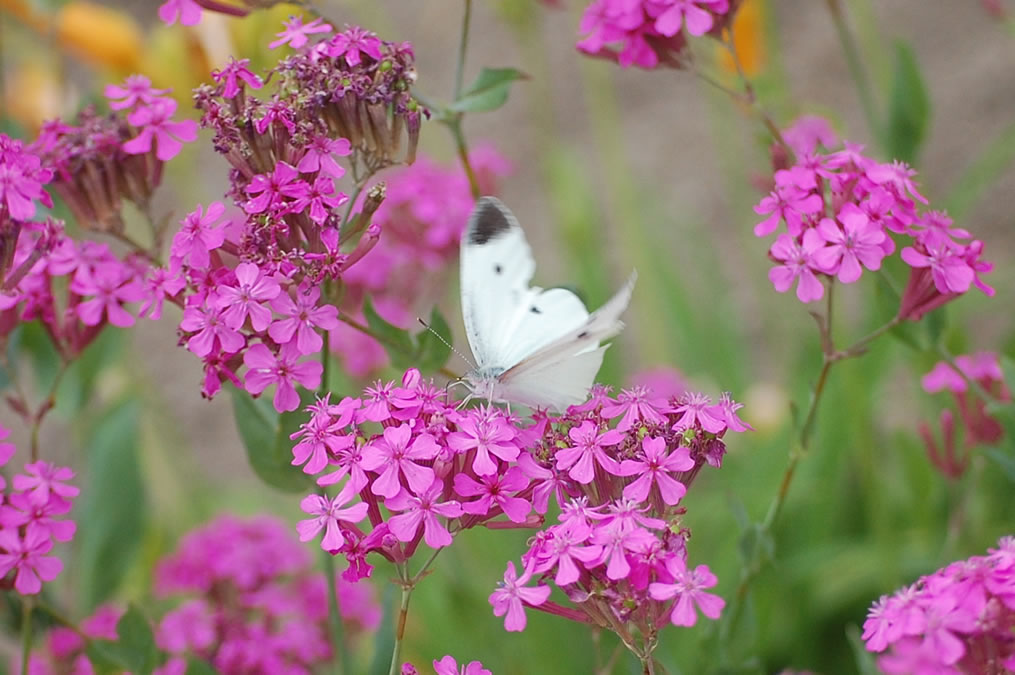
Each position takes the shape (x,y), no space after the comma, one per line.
(396,341)
(864,660)
(488,92)
(196,666)
(265,434)
(134,650)
(909,107)
(425,351)
(113,506)
(433,344)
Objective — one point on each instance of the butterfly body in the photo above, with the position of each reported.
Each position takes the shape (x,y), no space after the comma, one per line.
(532,346)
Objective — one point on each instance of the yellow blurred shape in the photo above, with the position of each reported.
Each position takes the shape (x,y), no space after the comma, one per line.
(39,97)
(766,407)
(748,39)
(102,35)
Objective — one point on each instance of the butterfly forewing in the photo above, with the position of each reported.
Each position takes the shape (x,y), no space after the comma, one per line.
(536,347)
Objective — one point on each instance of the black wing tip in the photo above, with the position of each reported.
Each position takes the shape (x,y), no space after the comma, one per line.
(490,219)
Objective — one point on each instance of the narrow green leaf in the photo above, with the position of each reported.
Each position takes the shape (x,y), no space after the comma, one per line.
(113,506)
(265,435)
(864,660)
(489,91)
(909,107)
(433,345)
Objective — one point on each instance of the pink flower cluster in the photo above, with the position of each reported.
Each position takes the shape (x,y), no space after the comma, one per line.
(103,159)
(251,285)
(424,213)
(649,33)
(74,288)
(617,467)
(64,648)
(958,620)
(30,522)
(843,211)
(980,426)
(250,601)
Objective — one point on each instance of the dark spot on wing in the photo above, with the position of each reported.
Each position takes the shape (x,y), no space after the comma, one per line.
(536,310)
(497,269)
(490,219)
(583,334)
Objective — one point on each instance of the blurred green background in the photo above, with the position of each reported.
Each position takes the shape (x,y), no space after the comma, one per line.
(614,170)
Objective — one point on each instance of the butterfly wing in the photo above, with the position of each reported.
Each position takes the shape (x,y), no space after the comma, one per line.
(561,372)
(505,319)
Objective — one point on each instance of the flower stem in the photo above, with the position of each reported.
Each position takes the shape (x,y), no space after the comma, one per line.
(455,122)
(403,613)
(856,68)
(26,632)
(334,617)
(463,45)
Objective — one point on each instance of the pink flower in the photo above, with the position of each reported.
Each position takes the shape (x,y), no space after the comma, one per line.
(209,328)
(112,286)
(688,587)
(20,184)
(423,510)
(187,11)
(487,433)
(136,89)
(272,189)
(512,595)
(670,15)
(495,493)
(27,556)
(636,405)
(697,409)
(328,515)
(160,284)
(448,666)
(786,204)
(266,368)
(589,445)
(949,269)
(321,198)
(253,288)
(320,154)
(198,235)
(797,264)
(296,32)
(655,468)
(235,72)
(156,127)
(858,241)
(353,44)
(398,456)
(304,317)
(46,482)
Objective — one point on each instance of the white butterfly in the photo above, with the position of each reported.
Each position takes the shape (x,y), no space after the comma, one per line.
(534,347)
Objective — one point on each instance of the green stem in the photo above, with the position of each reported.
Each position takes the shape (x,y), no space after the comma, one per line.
(403,613)
(26,633)
(463,45)
(856,68)
(334,617)
(455,123)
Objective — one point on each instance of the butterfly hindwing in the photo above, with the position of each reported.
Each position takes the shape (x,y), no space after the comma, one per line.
(532,346)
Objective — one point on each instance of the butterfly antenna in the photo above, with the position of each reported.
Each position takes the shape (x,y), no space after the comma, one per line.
(447,344)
